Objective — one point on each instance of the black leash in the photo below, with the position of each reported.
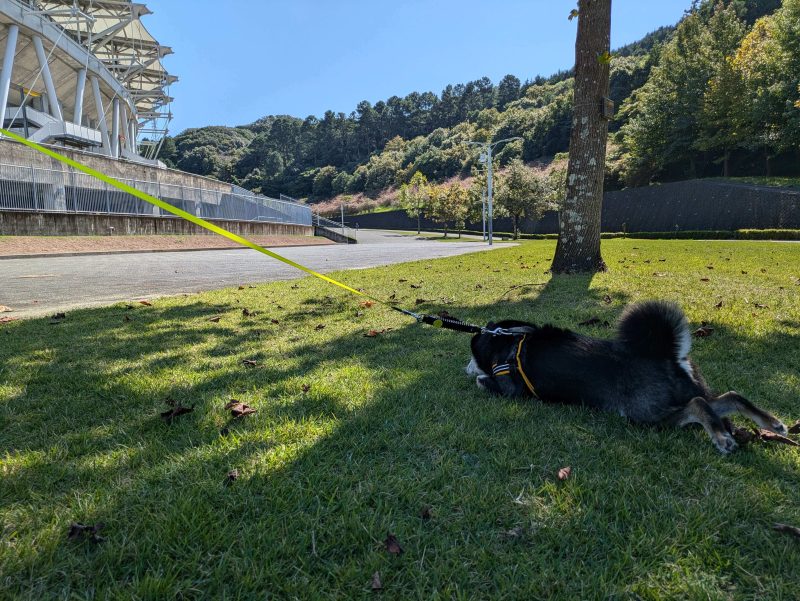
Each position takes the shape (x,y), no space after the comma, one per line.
(451,323)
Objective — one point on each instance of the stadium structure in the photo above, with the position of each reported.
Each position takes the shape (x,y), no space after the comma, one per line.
(86,77)
(85,74)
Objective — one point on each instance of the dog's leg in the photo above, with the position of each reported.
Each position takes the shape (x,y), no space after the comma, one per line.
(733,402)
(502,385)
(699,411)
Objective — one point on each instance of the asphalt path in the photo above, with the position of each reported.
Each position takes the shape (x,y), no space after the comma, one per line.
(40,286)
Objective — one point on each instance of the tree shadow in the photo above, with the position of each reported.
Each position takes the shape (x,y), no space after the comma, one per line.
(307,517)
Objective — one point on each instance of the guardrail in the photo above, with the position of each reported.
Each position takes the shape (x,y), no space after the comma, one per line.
(335,226)
(36,189)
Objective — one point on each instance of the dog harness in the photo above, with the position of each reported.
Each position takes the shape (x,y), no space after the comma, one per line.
(505,369)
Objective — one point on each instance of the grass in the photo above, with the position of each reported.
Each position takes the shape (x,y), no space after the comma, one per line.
(781,182)
(390,425)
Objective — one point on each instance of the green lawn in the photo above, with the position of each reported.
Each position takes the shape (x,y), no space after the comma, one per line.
(780,182)
(389,426)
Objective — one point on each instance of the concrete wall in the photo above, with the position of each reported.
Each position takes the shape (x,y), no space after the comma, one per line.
(23,223)
(687,205)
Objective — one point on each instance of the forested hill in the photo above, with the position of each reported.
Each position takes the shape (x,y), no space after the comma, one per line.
(718,93)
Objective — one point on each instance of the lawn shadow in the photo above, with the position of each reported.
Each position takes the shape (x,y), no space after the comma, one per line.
(308,515)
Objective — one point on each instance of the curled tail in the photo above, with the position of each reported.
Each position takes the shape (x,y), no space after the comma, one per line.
(657,330)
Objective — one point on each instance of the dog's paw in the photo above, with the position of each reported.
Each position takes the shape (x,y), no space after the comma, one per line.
(480,382)
(779,427)
(725,443)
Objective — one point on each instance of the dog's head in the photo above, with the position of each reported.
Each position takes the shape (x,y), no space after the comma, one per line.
(488,349)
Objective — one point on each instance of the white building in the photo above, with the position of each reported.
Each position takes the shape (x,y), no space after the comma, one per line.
(84,74)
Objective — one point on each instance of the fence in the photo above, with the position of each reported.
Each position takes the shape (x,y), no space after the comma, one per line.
(48,190)
(335,226)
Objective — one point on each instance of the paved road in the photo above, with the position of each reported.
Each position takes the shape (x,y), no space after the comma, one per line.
(60,283)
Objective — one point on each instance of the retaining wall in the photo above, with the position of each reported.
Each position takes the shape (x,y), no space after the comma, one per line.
(25,223)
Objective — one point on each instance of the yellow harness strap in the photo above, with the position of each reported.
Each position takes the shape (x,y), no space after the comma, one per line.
(521,371)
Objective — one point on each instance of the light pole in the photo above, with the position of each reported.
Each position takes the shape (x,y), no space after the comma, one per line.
(486,156)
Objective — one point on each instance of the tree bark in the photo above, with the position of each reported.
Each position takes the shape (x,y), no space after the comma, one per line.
(578,248)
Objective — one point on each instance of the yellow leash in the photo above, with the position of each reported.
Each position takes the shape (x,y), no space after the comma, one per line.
(180,213)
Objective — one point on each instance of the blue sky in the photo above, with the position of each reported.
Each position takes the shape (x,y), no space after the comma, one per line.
(241,59)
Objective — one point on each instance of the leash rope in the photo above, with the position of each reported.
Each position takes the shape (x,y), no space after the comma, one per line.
(448,323)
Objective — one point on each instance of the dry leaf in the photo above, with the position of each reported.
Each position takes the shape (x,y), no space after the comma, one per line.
(249,362)
(295,287)
(366,304)
(718,305)
(376,585)
(320,326)
(4,309)
(275,321)
(760,306)
(241,287)
(702,332)
(767,436)
(402,280)
(793,530)
(416,287)
(239,409)
(479,287)
(145,303)
(743,436)
(305,387)
(659,274)
(89,531)
(709,267)
(8,319)
(215,319)
(393,545)
(176,410)
(564,473)
(705,280)
(607,299)
(795,429)
(231,476)
(420,301)
(248,313)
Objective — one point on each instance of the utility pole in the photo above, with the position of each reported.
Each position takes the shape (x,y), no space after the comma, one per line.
(486,156)
(483,213)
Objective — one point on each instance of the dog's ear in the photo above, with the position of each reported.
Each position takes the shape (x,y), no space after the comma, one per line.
(490,325)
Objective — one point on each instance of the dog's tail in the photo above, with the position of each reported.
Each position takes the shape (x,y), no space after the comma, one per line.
(657,330)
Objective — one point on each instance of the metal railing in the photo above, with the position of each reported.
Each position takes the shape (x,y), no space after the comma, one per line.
(69,191)
(335,226)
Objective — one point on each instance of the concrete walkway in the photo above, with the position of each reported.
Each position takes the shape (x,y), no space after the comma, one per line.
(42,286)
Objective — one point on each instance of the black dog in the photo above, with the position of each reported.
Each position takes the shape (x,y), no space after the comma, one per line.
(643,374)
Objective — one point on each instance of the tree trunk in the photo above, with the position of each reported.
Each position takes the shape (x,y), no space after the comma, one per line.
(726,164)
(516,227)
(578,248)
(419,227)
(767,165)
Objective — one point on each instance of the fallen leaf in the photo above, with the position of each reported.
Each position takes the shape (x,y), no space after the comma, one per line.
(295,287)
(215,319)
(662,260)
(275,321)
(305,387)
(767,436)
(703,331)
(251,286)
(744,272)
(709,267)
(175,410)
(90,531)
(793,530)
(479,287)
(795,429)
(420,301)
(393,296)
(249,362)
(426,512)
(416,286)
(239,409)
(241,287)
(393,545)
(231,476)
(376,585)
(564,473)
(248,313)
(705,280)
(743,436)
(760,306)
(659,274)
(402,280)
(718,305)
(366,304)
(145,303)
(320,326)
(8,319)
(607,299)
(4,309)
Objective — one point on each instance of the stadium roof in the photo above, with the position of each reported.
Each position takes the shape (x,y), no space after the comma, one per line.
(112,31)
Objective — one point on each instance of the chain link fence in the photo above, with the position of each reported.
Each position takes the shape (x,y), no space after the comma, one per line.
(69,191)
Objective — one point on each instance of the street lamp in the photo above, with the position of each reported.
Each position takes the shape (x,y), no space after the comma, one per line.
(486,157)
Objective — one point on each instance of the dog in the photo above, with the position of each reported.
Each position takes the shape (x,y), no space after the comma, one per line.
(644,373)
